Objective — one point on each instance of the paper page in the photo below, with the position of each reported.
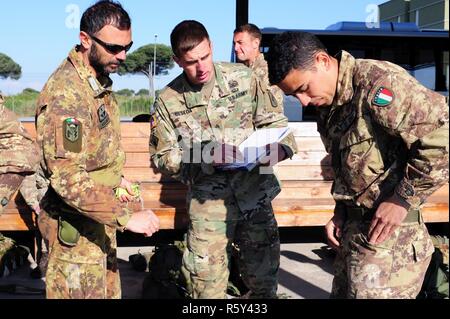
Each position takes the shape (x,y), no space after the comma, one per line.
(254,147)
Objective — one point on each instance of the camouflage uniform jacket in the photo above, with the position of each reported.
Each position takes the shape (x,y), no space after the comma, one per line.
(262,71)
(226,111)
(78,129)
(386,132)
(18,154)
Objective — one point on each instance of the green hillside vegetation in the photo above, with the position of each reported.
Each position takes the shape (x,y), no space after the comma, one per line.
(24,104)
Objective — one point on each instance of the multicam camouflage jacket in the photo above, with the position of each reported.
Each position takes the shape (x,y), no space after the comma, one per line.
(78,130)
(33,188)
(261,69)
(226,111)
(386,133)
(18,154)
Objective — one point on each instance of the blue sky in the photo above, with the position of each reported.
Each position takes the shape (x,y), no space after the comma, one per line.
(39,34)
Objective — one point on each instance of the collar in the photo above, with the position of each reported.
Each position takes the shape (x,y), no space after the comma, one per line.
(86,74)
(195,98)
(344,88)
(259,61)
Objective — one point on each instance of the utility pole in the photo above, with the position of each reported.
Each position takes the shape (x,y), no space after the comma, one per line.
(154,69)
(241,12)
(150,81)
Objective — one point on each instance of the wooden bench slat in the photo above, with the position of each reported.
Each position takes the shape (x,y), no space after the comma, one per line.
(157,195)
(130,129)
(140,144)
(141,159)
(284,173)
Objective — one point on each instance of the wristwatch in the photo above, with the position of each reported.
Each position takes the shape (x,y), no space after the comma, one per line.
(405,191)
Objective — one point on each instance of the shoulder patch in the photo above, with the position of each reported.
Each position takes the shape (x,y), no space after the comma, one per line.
(234,86)
(72,132)
(383,97)
(103,116)
(273,100)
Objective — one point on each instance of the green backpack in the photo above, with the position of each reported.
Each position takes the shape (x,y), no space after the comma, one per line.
(436,284)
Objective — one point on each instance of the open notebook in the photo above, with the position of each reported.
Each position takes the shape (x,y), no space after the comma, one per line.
(254,147)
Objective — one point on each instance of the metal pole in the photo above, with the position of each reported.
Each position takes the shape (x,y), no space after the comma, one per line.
(154,68)
(241,12)
(150,80)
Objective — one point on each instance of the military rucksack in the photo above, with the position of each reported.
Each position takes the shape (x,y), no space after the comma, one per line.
(436,282)
(165,279)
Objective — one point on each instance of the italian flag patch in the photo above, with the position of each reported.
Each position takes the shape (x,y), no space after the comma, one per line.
(383,97)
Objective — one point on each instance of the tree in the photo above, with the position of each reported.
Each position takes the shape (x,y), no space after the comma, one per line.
(139,61)
(9,68)
(29,91)
(143,92)
(125,92)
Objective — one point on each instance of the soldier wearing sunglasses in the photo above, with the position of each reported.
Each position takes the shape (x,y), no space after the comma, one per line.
(78,130)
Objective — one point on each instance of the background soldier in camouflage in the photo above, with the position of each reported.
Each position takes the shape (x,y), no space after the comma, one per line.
(18,154)
(247,41)
(33,189)
(388,138)
(223,104)
(18,159)
(78,129)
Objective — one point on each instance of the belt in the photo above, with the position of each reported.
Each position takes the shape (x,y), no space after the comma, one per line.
(366,214)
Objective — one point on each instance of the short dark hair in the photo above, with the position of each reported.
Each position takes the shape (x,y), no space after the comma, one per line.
(251,29)
(102,13)
(187,35)
(292,50)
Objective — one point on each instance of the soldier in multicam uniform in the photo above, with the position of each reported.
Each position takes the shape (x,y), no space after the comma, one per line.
(219,104)
(247,40)
(18,154)
(388,138)
(78,130)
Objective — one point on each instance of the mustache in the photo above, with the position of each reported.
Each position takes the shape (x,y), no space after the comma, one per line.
(117,62)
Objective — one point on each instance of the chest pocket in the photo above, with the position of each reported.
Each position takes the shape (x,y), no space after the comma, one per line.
(104,140)
(189,129)
(360,158)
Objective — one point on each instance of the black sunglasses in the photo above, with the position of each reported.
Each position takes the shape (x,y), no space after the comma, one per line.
(113,48)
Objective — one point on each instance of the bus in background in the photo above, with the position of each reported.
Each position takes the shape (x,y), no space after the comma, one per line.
(424,53)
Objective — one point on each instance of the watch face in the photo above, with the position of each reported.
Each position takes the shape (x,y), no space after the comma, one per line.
(4,202)
(409,190)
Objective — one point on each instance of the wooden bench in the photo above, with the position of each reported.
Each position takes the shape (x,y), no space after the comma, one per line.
(305,199)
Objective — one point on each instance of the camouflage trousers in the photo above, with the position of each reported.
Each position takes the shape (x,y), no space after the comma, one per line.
(84,271)
(216,224)
(394,269)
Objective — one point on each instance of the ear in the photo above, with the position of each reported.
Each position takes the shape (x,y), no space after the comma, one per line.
(256,44)
(323,60)
(177,60)
(85,40)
